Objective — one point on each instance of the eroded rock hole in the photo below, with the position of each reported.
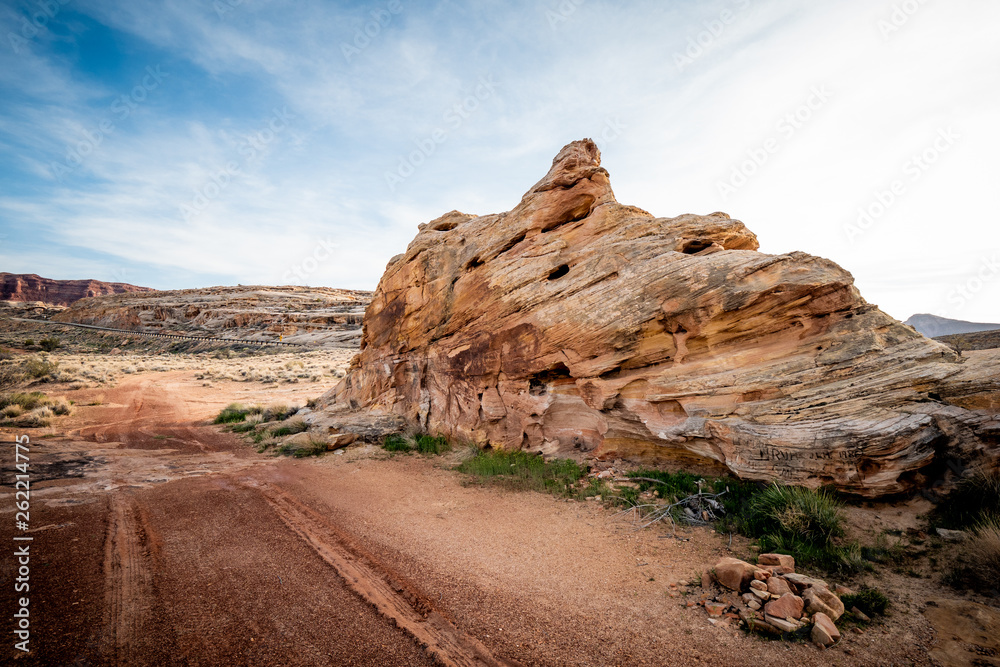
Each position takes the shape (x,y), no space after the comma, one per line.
(560,272)
(513,242)
(539,384)
(695,245)
(473,263)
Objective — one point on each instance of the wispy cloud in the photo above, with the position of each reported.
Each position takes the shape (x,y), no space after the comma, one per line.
(681,130)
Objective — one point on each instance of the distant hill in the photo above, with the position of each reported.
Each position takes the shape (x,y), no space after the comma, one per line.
(932,325)
(26,287)
(310,315)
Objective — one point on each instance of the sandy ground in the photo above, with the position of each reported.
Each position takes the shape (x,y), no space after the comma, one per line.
(160,539)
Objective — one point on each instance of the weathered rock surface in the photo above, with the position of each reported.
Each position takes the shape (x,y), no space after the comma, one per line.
(308,315)
(965,633)
(573,325)
(30,287)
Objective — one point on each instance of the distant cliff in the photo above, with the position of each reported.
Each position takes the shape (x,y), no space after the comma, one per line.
(31,287)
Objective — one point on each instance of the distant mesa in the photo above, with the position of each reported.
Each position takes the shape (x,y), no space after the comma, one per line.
(577,326)
(321,316)
(28,287)
(933,326)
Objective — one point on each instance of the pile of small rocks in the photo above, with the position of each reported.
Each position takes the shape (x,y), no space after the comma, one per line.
(771,598)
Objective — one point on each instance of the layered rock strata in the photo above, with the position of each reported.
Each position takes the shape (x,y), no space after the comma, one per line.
(573,325)
(30,287)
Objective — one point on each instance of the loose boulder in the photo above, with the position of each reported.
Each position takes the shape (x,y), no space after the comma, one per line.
(734,574)
(819,600)
(787,606)
(824,632)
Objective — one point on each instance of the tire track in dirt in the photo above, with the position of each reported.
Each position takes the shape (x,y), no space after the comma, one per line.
(392,598)
(128,583)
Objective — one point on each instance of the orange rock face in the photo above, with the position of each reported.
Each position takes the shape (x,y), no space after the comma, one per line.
(31,287)
(573,325)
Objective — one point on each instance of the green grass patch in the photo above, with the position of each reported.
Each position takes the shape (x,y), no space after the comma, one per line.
(396,443)
(804,523)
(871,601)
(522,471)
(794,512)
(432,444)
(232,413)
(423,444)
(289,428)
(301,451)
(243,426)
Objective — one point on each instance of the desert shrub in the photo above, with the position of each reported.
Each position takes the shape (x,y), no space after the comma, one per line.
(422,443)
(49,344)
(795,512)
(396,443)
(37,418)
(302,450)
(974,500)
(244,426)
(5,354)
(11,411)
(36,367)
(25,400)
(871,601)
(978,562)
(432,444)
(803,523)
(294,426)
(61,407)
(29,342)
(232,413)
(522,471)
(11,375)
(278,412)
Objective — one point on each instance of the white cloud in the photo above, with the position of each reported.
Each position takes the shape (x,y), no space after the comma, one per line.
(683,131)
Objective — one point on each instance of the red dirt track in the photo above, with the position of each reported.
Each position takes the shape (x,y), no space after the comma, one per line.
(162,540)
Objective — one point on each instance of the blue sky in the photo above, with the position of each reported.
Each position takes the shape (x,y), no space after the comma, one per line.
(184,144)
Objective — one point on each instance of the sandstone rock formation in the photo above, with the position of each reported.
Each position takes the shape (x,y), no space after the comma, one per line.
(573,325)
(309,315)
(31,287)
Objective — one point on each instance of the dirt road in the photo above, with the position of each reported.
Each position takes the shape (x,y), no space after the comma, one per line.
(160,540)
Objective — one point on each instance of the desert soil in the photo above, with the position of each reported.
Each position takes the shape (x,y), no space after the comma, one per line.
(160,539)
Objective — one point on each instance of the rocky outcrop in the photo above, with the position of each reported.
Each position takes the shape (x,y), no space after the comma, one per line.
(308,315)
(573,325)
(30,287)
